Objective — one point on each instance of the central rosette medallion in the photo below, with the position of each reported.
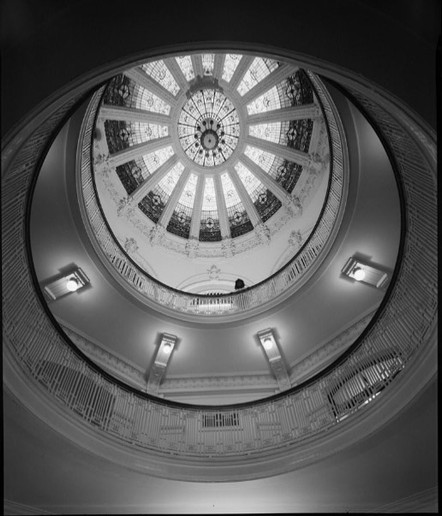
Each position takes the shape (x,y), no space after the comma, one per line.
(208,127)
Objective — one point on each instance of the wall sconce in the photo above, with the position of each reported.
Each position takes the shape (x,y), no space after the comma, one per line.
(158,369)
(67,283)
(271,350)
(364,272)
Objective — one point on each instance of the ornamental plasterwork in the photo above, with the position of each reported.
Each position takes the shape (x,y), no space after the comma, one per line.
(213,272)
(127,209)
(299,372)
(116,366)
(310,364)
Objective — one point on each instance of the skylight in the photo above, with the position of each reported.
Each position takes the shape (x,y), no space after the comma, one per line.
(231,62)
(160,73)
(258,70)
(214,135)
(155,159)
(185,63)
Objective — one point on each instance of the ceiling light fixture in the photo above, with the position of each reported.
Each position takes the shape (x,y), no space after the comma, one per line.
(167,348)
(65,283)
(159,366)
(358,274)
(364,272)
(72,285)
(277,365)
(267,343)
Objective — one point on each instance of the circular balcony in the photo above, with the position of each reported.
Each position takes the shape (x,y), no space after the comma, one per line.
(369,384)
(162,190)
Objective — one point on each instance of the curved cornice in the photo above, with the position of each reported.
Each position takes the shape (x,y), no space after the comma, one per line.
(404,328)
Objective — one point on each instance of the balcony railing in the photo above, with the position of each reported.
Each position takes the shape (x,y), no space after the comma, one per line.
(282,282)
(400,329)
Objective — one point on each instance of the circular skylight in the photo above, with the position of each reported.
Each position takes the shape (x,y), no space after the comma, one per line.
(208,127)
(209,156)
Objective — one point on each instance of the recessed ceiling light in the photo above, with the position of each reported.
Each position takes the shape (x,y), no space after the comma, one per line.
(358,274)
(267,343)
(167,348)
(72,285)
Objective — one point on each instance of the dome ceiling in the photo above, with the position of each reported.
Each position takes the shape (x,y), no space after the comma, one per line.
(210,155)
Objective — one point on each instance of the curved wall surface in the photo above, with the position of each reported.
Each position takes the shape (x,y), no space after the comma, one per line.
(392,116)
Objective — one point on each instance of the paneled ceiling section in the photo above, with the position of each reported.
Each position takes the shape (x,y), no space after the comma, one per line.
(208,156)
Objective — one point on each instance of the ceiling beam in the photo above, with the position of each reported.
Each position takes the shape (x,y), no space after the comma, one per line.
(174,198)
(219,66)
(240,71)
(222,209)
(274,77)
(128,114)
(247,202)
(306,111)
(138,150)
(177,73)
(197,63)
(197,208)
(152,180)
(267,180)
(144,80)
(288,153)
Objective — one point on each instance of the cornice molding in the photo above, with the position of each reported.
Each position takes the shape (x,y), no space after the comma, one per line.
(136,377)
(310,365)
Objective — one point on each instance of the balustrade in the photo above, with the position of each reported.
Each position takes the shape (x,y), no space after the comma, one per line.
(383,351)
(223,304)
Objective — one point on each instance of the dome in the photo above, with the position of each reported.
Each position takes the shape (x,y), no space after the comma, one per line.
(181,370)
(208,157)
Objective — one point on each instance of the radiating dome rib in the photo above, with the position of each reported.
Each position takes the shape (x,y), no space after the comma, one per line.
(266,102)
(222,209)
(210,230)
(182,214)
(300,112)
(131,114)
(154,178)
(231,61)
(161,74)
(273,149)
(243,193)
(154,202)
(144,80)
(264,200)
(218,66)
(284,172)
(240,71)
(141,149)
(185,64)
(275,188)
(197,64)
(239,221)
(124,91)
(155,159)
(258,70)
(177,73)
(290,154)
(197,209)
(267,82)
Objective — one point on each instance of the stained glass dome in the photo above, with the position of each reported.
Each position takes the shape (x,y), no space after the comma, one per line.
(209,154)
